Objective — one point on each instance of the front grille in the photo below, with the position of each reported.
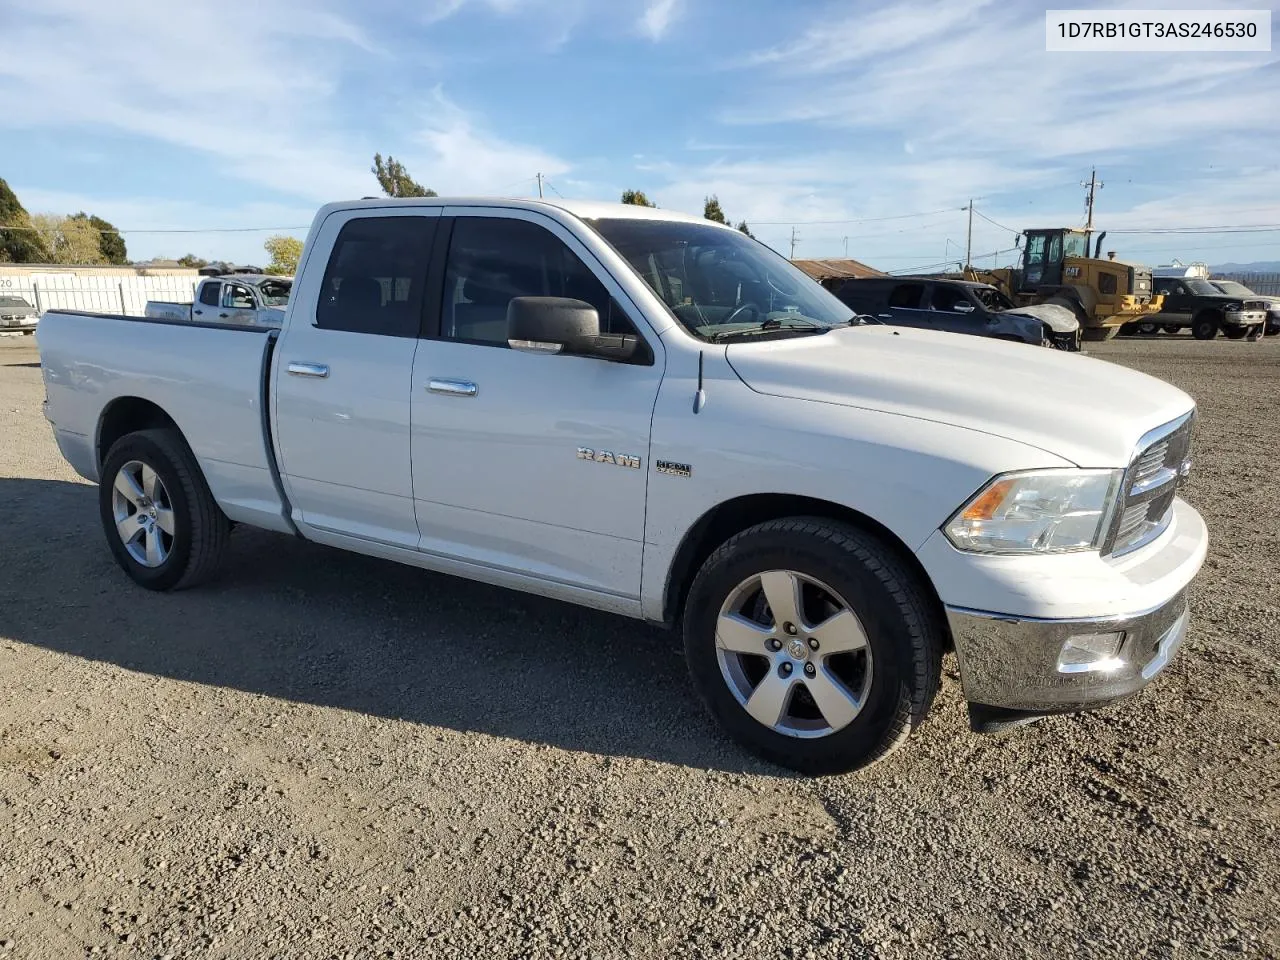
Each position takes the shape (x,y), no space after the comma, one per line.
(1150,484)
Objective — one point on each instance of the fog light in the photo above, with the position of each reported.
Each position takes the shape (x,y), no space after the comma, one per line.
(1091,652)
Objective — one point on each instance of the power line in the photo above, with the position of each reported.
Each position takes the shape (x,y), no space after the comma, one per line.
(947,263)
(995,223)
(902,216)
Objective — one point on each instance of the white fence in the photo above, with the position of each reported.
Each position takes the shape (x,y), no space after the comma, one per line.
(106,294)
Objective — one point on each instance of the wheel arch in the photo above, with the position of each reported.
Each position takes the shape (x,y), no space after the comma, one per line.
(1211,313)
(727,519)
(123,416)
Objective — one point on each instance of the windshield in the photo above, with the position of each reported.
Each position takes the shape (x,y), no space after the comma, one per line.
(1202,288)
(275,293)
(992,298)
(1076,245)
(15,302)
(720,283)
(1233,288)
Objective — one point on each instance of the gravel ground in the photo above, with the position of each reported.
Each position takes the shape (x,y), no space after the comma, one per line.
(323,755)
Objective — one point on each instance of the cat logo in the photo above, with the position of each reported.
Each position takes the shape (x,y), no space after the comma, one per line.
(608,456)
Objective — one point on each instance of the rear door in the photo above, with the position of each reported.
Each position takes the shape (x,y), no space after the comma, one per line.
(527,463)
(343,373)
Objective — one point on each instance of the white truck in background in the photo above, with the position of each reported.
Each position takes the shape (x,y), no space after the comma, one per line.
(241,298)
(655,415)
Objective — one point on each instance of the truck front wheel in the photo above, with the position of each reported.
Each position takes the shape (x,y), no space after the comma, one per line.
(812,644)
(1204,327)
(162,523)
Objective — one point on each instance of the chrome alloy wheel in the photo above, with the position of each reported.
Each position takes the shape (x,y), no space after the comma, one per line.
(143,513)
(793,653)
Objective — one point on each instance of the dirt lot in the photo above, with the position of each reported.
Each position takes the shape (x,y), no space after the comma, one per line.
(325,755)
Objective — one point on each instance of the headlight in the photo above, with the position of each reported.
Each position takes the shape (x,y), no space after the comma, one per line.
(1037,511)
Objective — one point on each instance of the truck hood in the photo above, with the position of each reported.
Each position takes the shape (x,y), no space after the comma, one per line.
(1087,411)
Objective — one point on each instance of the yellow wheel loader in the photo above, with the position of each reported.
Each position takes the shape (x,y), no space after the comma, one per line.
(1056,267)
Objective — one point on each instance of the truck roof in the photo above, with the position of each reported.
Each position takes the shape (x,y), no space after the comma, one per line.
(583,209)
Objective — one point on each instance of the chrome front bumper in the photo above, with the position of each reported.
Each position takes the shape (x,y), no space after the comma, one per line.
(1019,664)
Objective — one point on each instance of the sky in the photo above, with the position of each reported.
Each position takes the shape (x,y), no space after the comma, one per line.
(865,128)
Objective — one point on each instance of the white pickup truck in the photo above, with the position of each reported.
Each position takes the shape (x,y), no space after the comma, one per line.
(246,298)
(658,416)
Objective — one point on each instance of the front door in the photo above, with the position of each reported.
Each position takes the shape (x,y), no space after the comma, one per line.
(1177,300)
(906,306)
(238,305)
(343,374)
(521,462)
(953,309)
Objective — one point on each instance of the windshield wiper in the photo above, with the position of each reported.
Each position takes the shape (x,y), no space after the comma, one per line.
(772,325)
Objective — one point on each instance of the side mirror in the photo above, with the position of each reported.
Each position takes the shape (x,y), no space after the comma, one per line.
(962,307)
(550,325)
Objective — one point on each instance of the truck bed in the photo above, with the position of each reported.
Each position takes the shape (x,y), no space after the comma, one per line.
(210,379)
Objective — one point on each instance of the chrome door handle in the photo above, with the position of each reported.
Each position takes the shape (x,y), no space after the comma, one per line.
(452,388)
(885,316)
(308,369)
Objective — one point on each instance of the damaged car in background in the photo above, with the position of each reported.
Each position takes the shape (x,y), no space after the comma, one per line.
(961,306)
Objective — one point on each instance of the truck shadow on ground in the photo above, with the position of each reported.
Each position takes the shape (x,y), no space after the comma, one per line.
(307,623)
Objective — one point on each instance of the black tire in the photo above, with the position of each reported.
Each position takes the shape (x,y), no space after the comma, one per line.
(1235,333)
(1170,327)
(1204,327)
(903,630)
(1148,329)
(1271,330)
(200,528)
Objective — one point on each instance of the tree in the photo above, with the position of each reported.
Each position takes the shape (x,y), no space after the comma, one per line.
(19,243)
(395,179)
(68,240)
(637,198)
(742,226)
(285,253)
(109,239)
(711,210)
(191,260)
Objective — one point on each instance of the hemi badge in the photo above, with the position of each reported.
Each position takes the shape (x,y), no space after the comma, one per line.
(674,469)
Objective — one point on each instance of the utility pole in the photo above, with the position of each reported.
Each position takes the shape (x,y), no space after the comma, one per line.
(846,248)
(793,244)
(1094,186)
(968,246)
(539,177)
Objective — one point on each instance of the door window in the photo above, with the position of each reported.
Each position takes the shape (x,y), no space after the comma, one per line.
(494,259)
(236,297)
(209,294)
(1035,249)
(906,295)
(376,275)
(946,298)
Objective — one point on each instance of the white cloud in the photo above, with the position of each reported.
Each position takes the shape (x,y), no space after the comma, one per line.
(262,102)
(657,17)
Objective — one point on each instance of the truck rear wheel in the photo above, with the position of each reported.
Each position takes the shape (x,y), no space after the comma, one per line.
(1170,327)
(812,644)
(162,523)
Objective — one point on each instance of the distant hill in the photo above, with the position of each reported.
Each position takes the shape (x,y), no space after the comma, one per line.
(1258,266)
